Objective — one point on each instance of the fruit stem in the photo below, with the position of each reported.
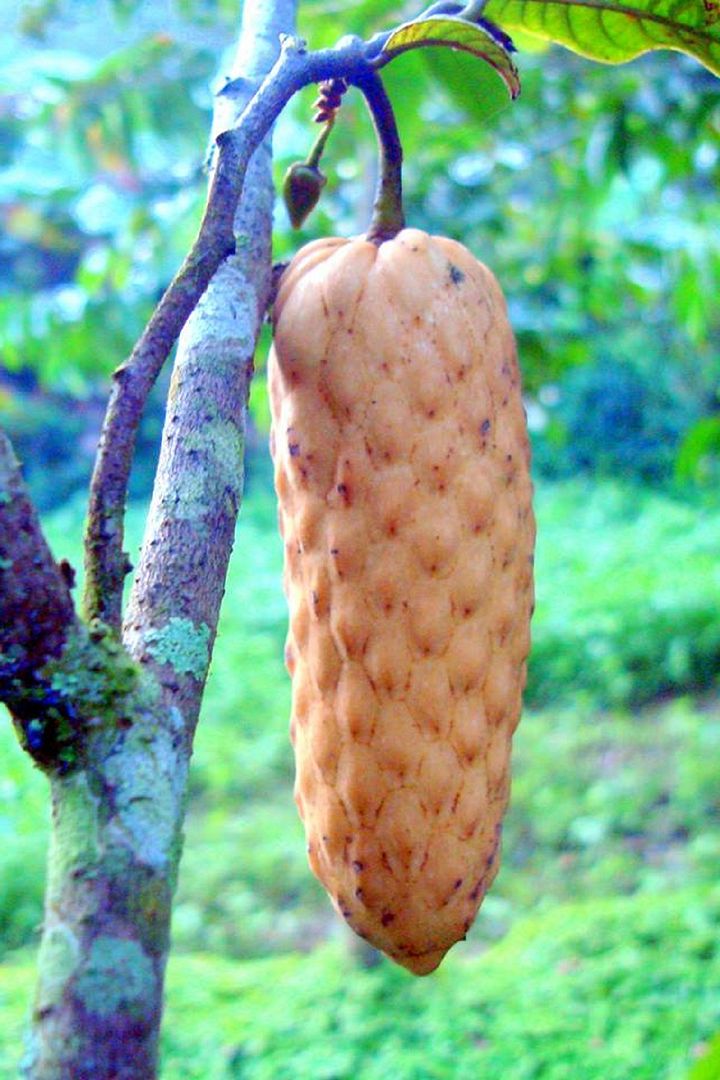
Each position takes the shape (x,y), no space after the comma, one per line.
(387,217)
(316,151)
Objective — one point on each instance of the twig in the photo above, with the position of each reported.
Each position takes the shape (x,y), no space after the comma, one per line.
(105,561)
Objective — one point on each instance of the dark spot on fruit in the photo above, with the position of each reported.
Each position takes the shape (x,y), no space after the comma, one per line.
(387,917)
(484,427)
(478,888)
(357,865)
(456,274)
(458,883)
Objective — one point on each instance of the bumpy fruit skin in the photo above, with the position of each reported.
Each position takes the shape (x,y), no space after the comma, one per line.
(402,471)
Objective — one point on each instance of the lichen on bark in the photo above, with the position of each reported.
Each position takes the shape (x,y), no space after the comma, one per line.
(182,645)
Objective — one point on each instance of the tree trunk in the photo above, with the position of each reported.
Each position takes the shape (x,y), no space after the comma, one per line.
(117,814)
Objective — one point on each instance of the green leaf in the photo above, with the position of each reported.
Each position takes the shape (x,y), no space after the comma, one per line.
(475,89)
(615,32)
(459,34)
(701,442)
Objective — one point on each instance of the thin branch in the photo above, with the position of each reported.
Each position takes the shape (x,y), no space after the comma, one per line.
(105,561)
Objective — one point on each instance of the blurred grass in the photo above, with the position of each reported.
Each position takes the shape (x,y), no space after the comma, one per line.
(628,584)
(604,990)
(614,805)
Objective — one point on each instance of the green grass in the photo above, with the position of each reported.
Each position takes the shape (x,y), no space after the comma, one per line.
(597,991)
(628,594)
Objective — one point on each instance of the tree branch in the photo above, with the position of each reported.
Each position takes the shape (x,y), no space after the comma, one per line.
(117,818)
(36,609)
(178,588)
(37,618)
(106,563)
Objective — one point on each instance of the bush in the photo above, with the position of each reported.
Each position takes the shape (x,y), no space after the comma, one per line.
(612,420)
(628,594)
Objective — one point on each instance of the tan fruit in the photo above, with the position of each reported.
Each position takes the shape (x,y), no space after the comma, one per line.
(401,466)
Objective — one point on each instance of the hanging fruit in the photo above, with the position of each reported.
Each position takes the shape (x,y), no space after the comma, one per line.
(402,472)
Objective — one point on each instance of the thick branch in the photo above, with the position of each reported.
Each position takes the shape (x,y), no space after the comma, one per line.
(36,610)
(175,601)
(37,618)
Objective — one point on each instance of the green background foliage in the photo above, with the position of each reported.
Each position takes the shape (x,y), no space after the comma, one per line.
(594,200)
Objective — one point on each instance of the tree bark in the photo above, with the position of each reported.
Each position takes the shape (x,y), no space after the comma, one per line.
(189,535)
(117,815)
